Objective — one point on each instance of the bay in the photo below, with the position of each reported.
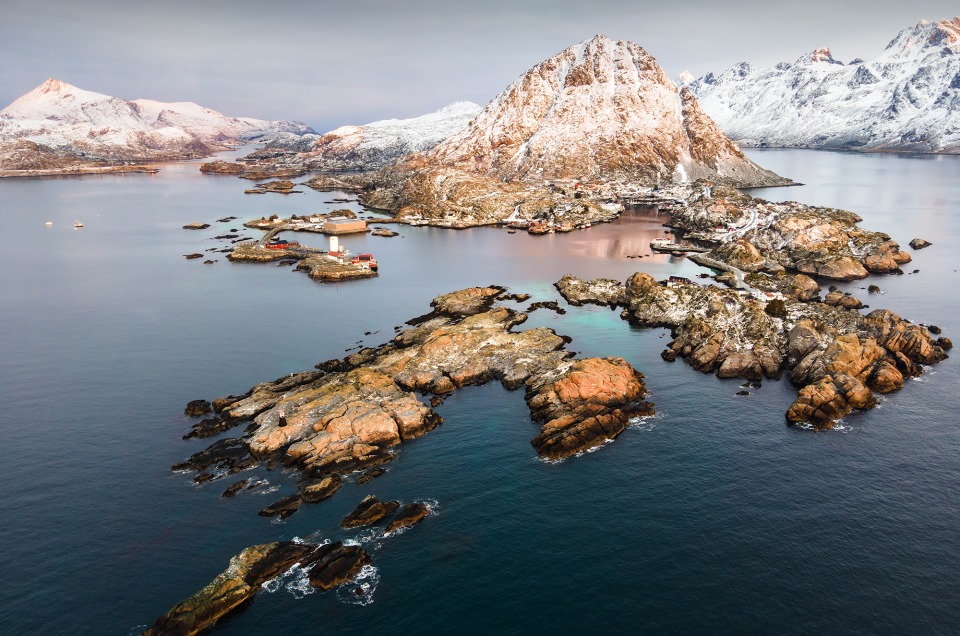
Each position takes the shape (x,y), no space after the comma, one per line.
(713,516)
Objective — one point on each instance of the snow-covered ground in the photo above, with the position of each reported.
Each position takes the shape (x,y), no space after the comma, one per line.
(905,98)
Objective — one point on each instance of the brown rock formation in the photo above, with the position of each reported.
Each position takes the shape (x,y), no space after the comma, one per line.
(332,564)
(242,579)
(368,512)
(346,415)
(586,404)
(410,515)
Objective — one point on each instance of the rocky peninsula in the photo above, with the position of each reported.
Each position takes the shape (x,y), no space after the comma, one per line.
(754,235)
(349,413)
(836,356)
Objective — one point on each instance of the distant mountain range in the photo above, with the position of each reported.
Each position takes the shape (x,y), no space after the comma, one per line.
(907,98)
(369,146)
(60,120)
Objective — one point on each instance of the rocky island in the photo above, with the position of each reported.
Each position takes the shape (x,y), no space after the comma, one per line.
(834,354)
(349,413)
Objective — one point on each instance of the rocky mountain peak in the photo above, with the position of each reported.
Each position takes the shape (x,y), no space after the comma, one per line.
(905,98)
(600,108)
(818,55)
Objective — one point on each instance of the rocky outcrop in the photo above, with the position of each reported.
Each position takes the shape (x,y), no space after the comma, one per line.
(584,404)
(755,235)
(411,514)
(836,356)
(599,291)
(330,565)
(919,243)
(368,512)
(348,414)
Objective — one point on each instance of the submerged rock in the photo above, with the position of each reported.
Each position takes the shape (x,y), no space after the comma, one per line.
(196,408)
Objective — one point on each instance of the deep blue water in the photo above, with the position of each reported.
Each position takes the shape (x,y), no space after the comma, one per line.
(713,516)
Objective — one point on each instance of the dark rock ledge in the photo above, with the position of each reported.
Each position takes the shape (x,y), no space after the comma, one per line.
(329,565)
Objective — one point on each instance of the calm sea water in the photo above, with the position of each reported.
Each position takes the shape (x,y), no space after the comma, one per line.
(713,516)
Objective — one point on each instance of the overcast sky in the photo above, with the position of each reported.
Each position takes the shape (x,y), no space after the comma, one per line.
(355,61)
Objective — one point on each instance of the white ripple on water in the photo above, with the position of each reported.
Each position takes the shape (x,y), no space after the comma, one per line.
(646,422)
(296,581)
(360,590)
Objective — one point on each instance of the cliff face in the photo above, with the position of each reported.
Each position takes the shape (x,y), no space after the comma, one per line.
(907,98)
(599,109)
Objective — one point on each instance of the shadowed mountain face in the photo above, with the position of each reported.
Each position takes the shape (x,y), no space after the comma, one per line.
(907,98)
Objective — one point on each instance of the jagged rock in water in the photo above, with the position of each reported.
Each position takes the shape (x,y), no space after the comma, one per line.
(811,240)
(840,355)
(584,404)
(221,454)
(368,512)
(919,243)
(316,490)
(410,515)
(335,564)
(195,408)
(283,508)
(344,416)
(599,291)
(236,585)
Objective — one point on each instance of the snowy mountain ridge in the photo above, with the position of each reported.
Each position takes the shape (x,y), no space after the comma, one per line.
(372,145)
(64,117)
(907,98)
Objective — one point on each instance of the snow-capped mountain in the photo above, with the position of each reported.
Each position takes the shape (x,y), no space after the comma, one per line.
(96,126)
(372,145)
(906,98)
(601,108)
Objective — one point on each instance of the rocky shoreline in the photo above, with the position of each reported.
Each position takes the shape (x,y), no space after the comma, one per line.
(837,357)
(349,413)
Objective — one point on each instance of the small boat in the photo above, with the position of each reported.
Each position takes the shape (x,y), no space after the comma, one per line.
(366,261)
(76,224)
(48,223)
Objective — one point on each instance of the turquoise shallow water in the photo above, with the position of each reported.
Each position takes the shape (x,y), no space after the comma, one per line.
(713,516)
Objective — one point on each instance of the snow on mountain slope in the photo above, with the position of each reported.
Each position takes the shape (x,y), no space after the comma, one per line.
(906,98)
(372,145)
(601,108)
(96,126)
